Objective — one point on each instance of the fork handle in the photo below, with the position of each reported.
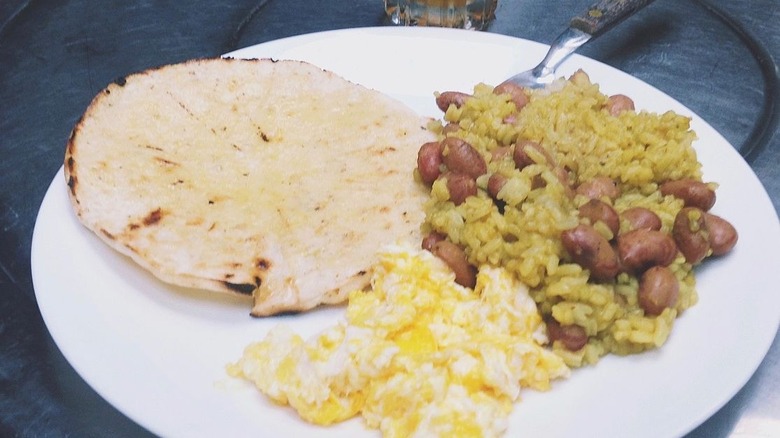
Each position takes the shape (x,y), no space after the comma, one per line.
(606,14)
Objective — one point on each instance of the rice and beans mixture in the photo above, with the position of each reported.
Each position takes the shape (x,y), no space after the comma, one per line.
(600,209)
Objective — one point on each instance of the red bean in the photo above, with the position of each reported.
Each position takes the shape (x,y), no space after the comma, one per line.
(516,93)
(592,251)
(658,290)
(447,98)
(642,249)
(495,184)
(573,337)
(722,235)
(640,218)
(431,239)
(690,234)
(460,186)
(599,187)
(596,210)
(455,258)
(693,193)
(580,78)
(522,159)
(461,157)
(619,103)
(429,160)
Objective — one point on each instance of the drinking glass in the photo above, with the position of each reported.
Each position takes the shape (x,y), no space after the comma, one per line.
(464,14)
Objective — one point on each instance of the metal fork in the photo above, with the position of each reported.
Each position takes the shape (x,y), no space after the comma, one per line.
(596,20)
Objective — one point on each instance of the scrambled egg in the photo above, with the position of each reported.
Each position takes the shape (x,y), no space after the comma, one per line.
(418,355)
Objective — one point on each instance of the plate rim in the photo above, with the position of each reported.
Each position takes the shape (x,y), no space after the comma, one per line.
(391,32)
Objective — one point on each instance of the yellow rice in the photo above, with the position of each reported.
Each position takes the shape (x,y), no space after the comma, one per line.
(638,150)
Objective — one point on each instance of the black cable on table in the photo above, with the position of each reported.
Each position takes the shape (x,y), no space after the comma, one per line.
(768,117)
(234,39)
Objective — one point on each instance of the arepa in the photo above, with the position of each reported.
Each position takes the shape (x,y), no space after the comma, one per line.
(271,178)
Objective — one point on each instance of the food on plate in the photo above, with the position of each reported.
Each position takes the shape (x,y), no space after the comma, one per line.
(274,179)
(559,217)
(418,355)
(599,208)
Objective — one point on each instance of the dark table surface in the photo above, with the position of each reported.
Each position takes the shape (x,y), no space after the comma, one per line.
(716,57)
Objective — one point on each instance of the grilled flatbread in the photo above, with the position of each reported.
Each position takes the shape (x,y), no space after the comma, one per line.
(271,178)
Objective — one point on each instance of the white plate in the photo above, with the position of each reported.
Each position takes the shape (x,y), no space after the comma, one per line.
(158,352)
